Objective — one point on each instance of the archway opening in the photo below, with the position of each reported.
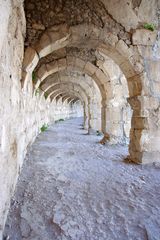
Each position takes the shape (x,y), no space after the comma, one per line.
(81,58)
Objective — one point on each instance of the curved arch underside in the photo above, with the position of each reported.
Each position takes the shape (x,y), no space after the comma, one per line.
(62,49)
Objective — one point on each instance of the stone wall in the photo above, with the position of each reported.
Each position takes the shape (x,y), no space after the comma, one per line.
(12,49)
(100,26)
(78,50)
(21,114)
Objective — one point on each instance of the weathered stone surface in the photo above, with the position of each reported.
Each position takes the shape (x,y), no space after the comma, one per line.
(143,12)
(147,11)
(38,26)
(80,64)
(98,56)
(144,37)
(54,13)
(123,49)
(90,69)
(135,85)
(30,59)
(51,67)
(42,72)
(109,38)
(62,64)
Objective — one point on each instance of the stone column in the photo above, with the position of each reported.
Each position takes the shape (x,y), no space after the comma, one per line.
(86,117)
(103,116)
(145,101)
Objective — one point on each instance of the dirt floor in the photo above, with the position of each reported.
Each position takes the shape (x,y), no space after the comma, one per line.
(73,188)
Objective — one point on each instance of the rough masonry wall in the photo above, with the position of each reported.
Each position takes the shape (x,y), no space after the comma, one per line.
(10,103)
(104,30)
(124,39)
(21,115)
(44,14)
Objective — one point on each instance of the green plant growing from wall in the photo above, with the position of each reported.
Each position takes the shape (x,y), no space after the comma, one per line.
(149,26)
(45,95)
(98,133)
(61,120)
(33,77)
(44,127)
(37,92)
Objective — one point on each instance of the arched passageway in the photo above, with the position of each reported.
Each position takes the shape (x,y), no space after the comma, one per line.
(78,58)
(127,58)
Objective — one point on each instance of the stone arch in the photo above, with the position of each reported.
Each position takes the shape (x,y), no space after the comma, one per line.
(78,90)
(118,109)
(71,104)
(81,91)
(51,82)
(81,96)
(95,113)
(129,61)
(65,110)
(64,75)
(99,38)
(58,93)
(135,79)
(60,36)
(73,100)
(79,65)
(66,98)
(105,41)
(69,99)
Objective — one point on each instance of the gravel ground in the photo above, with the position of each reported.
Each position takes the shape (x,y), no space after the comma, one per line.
(73,188)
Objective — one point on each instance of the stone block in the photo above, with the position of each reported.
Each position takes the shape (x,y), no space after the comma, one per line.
(101,76)
(144,37)
(62,64)
(123,49)
(139,122)
(109,38)
(79,33)
(30,59)
(60,42)
(135,156)
(52,67)
(90,69)
(94,32)
(38,26)
(79,63)
(135,139)
(135,85)
(70,62)
(44,46)
(127,69)
(110,51)
(55,38)
(42,72)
